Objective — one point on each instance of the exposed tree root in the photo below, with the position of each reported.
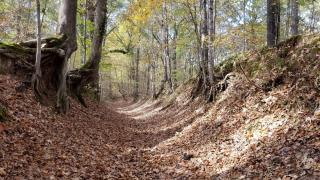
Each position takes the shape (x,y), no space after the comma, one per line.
(204,88)
(77,80)
(19,59)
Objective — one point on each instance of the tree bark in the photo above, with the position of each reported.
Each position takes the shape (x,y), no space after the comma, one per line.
(167,79)
(18,22)
(136,76)
(91,15)
(89,73)
(204,42)
(166,49)
(68,19)
(153,79)
(295,17)
(174,57)
(273,22)
(312,18)
(212,32)
(37,76)
(84,58)
(55,53)
(288,20)
(148,79)
(154,59)
(99,32)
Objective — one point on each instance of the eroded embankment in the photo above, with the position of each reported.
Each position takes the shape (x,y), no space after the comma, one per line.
(265,124)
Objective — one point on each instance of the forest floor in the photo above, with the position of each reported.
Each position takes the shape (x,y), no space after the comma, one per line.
(145,140)
(92,143)
(247,133)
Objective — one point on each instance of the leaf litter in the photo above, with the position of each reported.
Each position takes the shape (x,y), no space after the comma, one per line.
(245,134)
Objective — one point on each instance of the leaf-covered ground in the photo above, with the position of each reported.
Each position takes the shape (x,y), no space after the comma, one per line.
(149,141)
(247,133)
(96,143)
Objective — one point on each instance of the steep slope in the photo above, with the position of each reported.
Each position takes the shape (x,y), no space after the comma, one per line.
(264,124)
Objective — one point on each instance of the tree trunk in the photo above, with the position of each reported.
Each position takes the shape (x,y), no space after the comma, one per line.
(288,16)
(84,58)
(99,32)
(204,40)
(167,79)
(205,78)
(244,26)
(37,76)
(212,32)
(89,73)
(273,22)
(91,15)
(204,44)
(174,57)
(295,17)
(148,77)
(136,76)
(18,22)
(153,79)
(55,53)
(68,14)
(166,49)
(154,57)
(312,18)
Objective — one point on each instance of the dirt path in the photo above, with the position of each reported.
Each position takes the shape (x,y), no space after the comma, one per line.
(93,143)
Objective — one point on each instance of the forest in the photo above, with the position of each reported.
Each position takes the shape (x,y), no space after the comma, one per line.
(159,89)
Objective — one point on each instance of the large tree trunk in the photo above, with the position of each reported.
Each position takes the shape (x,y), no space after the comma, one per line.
(204,42)
(36,79)
(212,33)
(295,17)
(203,83)
(167,79)
(273,22)
(166,46)
(18,22)
(68,19)
(91,16)
(89,73)
(99,32)
(84,58)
